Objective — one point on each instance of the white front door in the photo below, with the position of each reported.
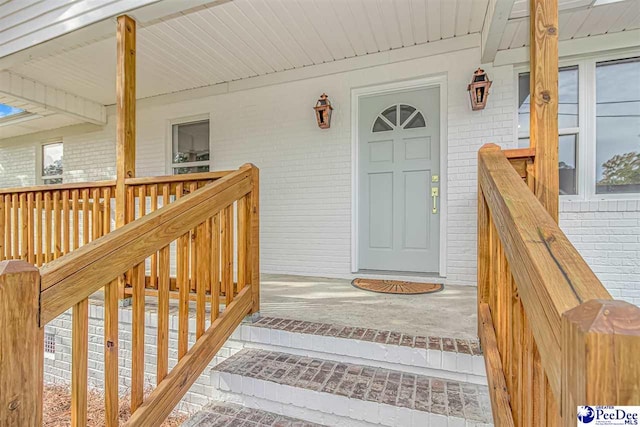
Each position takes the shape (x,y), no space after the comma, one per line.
(399,168)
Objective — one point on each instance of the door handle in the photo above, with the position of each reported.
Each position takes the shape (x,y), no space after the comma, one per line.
(434,196)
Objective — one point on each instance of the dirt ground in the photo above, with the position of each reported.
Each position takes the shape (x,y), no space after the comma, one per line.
(57,408)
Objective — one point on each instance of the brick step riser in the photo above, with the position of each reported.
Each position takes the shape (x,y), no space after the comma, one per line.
(436,363)
(323,408)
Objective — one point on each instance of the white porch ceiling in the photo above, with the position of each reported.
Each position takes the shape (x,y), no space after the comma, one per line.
(246,38)
(576,20)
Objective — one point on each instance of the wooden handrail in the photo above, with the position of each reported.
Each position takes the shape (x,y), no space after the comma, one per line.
(535,283)
(58,187)
(199,176)
(76,276)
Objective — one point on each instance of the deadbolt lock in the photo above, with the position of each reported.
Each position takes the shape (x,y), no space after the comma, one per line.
(435,178)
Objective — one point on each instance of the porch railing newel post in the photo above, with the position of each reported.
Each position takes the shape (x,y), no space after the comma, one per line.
(21,345)
(254,238)
(600,347)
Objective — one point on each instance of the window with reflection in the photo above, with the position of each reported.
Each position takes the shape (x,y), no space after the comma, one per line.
(51,168)
(190,147)
(618,126)
(568,124)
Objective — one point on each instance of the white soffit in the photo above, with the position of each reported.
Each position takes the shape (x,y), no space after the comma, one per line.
(577,19)
(246,38)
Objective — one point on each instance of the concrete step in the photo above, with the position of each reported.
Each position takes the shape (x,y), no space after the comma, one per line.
(442,357)
(346,394)
(229,414)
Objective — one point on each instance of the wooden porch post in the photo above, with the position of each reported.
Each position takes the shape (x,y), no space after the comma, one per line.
(125,168)
(544,101)
(126,112)
(21,345)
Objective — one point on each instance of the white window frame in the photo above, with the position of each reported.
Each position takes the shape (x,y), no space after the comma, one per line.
(40,162)
(169,154)
(586,130)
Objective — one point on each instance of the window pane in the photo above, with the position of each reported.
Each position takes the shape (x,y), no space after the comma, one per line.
(568,100)
(52,159)
(190,169)
(405,112)
(567,163)
(380,125)
(416,122)
(391,114)
(618,127)
(567,160)
(191,142)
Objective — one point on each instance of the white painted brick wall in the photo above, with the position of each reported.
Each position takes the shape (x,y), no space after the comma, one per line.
(306,172)
(607,235)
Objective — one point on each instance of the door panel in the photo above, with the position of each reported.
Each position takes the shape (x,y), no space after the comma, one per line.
(399,143)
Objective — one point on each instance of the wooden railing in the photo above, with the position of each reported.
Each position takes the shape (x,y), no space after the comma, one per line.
(40,224)
(552,336)
(30,298)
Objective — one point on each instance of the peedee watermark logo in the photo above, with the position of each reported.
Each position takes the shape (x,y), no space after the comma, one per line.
(608,415)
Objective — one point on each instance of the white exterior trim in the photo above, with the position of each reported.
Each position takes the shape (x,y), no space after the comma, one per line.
(439,81)
(603,44)
(51,99)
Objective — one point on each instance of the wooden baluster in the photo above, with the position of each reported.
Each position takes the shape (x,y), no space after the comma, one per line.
(242,242)
(57,226)
(96,223)
(202,274)
(163,308)
(86,230)
(30,230)
(21,345)
(182,279)
(48,240)
(16,228)
(226,233)
(79,358)
(516,345)
(194,249)
(215,267)
(153,270)
(2,228)
(7,226)
(75,208)
(137,337)
(24,234)
(38,237)
(106,211)
(111,391)
(528,399)
(66,241)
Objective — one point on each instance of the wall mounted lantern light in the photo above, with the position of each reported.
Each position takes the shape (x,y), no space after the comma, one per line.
(479,89)
(323,112)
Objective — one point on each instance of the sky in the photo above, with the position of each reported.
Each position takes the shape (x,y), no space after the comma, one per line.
(7,110)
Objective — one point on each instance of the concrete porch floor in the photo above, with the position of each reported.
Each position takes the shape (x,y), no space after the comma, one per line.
(448,313)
